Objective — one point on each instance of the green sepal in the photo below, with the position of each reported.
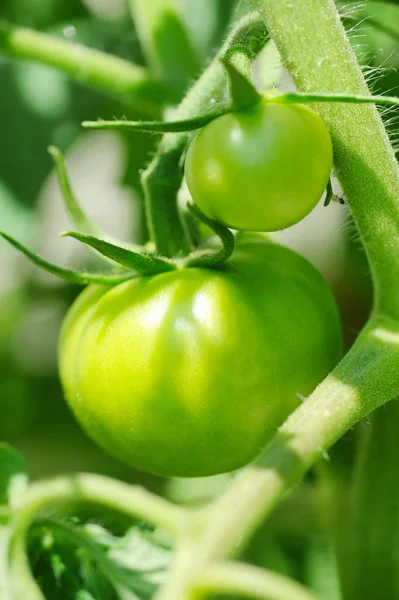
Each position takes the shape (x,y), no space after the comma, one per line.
(158,126)
(78,217)
(81,278)
(238,66)
(331,197)
(141,263)
(329,193)
(209,258)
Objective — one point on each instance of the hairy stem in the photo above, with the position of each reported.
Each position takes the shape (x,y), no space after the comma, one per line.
(129,83)
(319,56)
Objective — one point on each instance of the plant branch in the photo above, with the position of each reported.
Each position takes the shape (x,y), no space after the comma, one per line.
(244,580)
(129,83)
(104,491)
(319,56)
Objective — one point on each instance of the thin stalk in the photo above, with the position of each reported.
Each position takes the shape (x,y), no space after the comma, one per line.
(104,491)
(128,82)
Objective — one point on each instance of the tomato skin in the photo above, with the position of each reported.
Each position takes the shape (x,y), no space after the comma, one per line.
(190,372)
(260,169)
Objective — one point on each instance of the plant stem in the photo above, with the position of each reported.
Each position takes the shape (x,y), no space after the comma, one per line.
(244,580)
(130,83)
(130,500)
(165,41)
(319,56)
(163,176)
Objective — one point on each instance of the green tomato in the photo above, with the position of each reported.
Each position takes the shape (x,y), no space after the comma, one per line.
(189,373)
(260,169)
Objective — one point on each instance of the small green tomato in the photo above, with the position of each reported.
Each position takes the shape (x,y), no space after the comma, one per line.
(260,169)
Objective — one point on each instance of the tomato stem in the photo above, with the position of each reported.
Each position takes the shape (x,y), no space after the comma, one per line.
(212,258)
(246,580)
(104,491)
(329,75)
(129,83)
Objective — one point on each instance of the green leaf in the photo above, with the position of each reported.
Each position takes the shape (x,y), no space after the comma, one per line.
(238,66)
(130,572)
(142,263)
(209,258)
(13,477)
(79,218)
(158,126)
(80,278)
(139,553)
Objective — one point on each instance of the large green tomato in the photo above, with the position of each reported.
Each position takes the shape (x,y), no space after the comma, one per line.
(260,169)
(190,372)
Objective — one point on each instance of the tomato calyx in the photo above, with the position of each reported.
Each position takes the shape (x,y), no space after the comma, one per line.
(206,257)
(127,260)
(243,93)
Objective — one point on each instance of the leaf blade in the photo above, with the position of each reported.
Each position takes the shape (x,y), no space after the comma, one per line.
(141,263)
(78,277)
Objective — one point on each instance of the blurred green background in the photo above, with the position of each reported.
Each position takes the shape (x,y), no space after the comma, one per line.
(40,106)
